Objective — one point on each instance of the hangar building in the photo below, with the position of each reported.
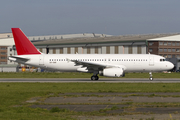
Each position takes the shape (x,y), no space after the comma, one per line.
(166,45)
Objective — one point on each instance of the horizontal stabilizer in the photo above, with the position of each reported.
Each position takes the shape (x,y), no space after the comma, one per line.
(18,59)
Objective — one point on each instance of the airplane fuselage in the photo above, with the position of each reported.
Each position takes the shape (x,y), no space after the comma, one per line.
(130,63)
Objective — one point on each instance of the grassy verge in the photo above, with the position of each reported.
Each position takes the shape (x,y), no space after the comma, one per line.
(14,95)
(81,75)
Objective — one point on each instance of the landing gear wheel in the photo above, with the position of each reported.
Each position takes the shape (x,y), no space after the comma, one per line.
(151,78)
(94,77)
(97,78)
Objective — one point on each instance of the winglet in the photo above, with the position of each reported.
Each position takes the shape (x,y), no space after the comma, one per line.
(23,44)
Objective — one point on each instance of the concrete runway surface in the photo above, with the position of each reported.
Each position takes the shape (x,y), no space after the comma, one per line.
(106,80)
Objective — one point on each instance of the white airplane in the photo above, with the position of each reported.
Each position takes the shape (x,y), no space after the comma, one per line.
(109,65)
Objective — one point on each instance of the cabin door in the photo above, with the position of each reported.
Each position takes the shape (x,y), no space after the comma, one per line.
(41,60)
(151,61)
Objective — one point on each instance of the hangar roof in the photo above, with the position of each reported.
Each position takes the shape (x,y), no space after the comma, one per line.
(121,38)
(168,38)
(93,38)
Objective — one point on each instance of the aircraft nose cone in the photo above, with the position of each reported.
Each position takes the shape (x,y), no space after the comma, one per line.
(170,65)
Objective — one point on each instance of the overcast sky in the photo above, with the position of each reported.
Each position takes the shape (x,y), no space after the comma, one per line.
(113,17)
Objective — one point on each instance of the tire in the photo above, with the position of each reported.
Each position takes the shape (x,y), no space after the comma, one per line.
(93,77)
(151,79)
(97,78)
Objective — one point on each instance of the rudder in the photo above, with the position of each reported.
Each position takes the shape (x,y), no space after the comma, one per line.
(23,44)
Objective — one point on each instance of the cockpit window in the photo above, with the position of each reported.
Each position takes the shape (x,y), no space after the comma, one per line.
(162,60)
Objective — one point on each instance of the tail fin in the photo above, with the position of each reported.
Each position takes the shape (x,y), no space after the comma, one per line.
(23,44)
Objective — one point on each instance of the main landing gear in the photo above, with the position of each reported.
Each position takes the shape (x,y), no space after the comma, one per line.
(150,76)
(94,77)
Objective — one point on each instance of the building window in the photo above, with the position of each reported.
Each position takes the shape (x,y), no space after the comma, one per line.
(151,43)
(160,43)
(169,43)
(165,56)
(173,44)
(177,50)
(165,49)
(160,50)
(3,57)
(3,53)
(150,49)
(165,43)
(173,50)
(169,50)
(169,56)
(177,44)
(3,48)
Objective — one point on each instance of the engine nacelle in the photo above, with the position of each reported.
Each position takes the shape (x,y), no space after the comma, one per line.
(112,72)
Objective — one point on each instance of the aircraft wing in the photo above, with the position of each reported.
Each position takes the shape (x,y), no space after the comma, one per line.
(95,66)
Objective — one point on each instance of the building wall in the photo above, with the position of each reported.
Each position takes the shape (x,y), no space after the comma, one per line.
(97,50)
(168,49)
(10,52)
(3,54)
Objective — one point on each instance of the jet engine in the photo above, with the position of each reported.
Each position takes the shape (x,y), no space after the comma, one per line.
(112,72)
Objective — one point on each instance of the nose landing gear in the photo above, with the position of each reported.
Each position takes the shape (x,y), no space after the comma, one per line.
(150,76)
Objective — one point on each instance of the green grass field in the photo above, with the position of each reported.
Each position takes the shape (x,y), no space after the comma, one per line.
(81,75)
(14,95)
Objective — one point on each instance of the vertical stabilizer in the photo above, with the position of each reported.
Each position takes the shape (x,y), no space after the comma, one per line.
(23,44)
